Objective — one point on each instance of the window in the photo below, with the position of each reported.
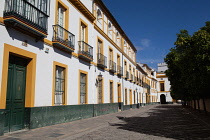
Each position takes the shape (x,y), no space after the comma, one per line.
(83,88)
(110,54)
(134,97)
(126,97)
(99,16)
(100,91)
(118,60)
(125,67)
(110,28)
(83,32)
(60,21)
(59,85)
(111,91)
(100,49)
(162,87)
(130,96)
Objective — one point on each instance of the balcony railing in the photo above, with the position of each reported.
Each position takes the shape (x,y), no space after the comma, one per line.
(85,51)
(63,39)
(112,66)
(25,16)
(119,71)
(127,75)
(102,60)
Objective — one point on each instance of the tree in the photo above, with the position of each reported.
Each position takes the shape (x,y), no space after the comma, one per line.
(189,65)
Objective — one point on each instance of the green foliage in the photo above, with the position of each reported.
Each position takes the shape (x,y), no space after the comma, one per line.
(189,65)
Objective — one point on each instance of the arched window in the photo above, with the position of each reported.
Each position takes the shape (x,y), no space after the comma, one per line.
(99,15)
(110,27)
(125,44)
(118,39)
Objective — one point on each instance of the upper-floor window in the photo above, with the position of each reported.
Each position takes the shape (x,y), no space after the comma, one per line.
(110,28)
(83,32)
(99,16)
(59,85)
(162,87)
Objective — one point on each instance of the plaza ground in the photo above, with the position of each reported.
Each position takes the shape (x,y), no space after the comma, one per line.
(153,122)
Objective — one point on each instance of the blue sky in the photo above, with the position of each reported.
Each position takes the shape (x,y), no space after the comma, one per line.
(152,25)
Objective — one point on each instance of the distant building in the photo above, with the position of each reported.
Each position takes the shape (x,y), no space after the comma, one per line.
(163,87)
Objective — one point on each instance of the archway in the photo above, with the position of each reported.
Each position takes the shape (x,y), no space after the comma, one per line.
(162,99)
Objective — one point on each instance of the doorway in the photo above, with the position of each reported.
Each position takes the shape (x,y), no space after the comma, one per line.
(162,99)
(15,98)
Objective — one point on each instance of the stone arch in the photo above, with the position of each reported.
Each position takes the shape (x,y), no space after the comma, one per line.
(162,99)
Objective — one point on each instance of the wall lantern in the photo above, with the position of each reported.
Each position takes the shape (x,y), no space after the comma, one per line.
(100,77)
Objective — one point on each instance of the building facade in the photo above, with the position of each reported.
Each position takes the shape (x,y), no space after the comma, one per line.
(62,61)
(163,87)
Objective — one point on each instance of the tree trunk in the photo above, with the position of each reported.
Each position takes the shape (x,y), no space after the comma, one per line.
(198,106)
(204,106)
(195,104)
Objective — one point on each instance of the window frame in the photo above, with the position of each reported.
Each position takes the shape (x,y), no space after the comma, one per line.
(54,81)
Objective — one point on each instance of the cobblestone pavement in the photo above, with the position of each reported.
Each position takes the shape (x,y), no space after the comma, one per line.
(154,122)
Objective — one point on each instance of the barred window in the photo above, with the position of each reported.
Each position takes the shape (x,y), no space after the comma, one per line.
(59,85)
(83,88)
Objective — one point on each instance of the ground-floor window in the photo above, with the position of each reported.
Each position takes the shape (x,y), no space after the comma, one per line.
(83,88)
(59,85)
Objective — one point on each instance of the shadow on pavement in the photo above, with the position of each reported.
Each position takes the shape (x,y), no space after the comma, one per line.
(170,121)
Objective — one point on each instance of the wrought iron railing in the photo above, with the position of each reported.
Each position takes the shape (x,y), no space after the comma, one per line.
(85,49)
(119,70)
(112,66)
(63,36)
(102,60)
(26,12)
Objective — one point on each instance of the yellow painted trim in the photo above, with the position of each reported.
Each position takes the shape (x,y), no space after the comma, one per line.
(30,75)
(86,98)
(1,20)
(162,91)
(82,9)
(46,41)
(66,81)
(161,76)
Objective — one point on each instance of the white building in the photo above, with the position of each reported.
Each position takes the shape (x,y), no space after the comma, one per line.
(71,62)
(163,87)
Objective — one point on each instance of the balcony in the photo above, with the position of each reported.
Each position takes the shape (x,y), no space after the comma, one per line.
(102,60)
(135,79)
(85,51)
(119,71)
(63,39)
(112,66)
(25,17)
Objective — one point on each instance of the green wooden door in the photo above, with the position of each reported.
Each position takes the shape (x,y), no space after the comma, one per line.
(15,102)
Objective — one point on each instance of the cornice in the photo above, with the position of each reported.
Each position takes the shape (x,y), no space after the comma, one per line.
(114,21)
(81,7)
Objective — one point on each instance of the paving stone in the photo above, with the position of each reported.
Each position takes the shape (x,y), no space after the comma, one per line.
(154,122)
